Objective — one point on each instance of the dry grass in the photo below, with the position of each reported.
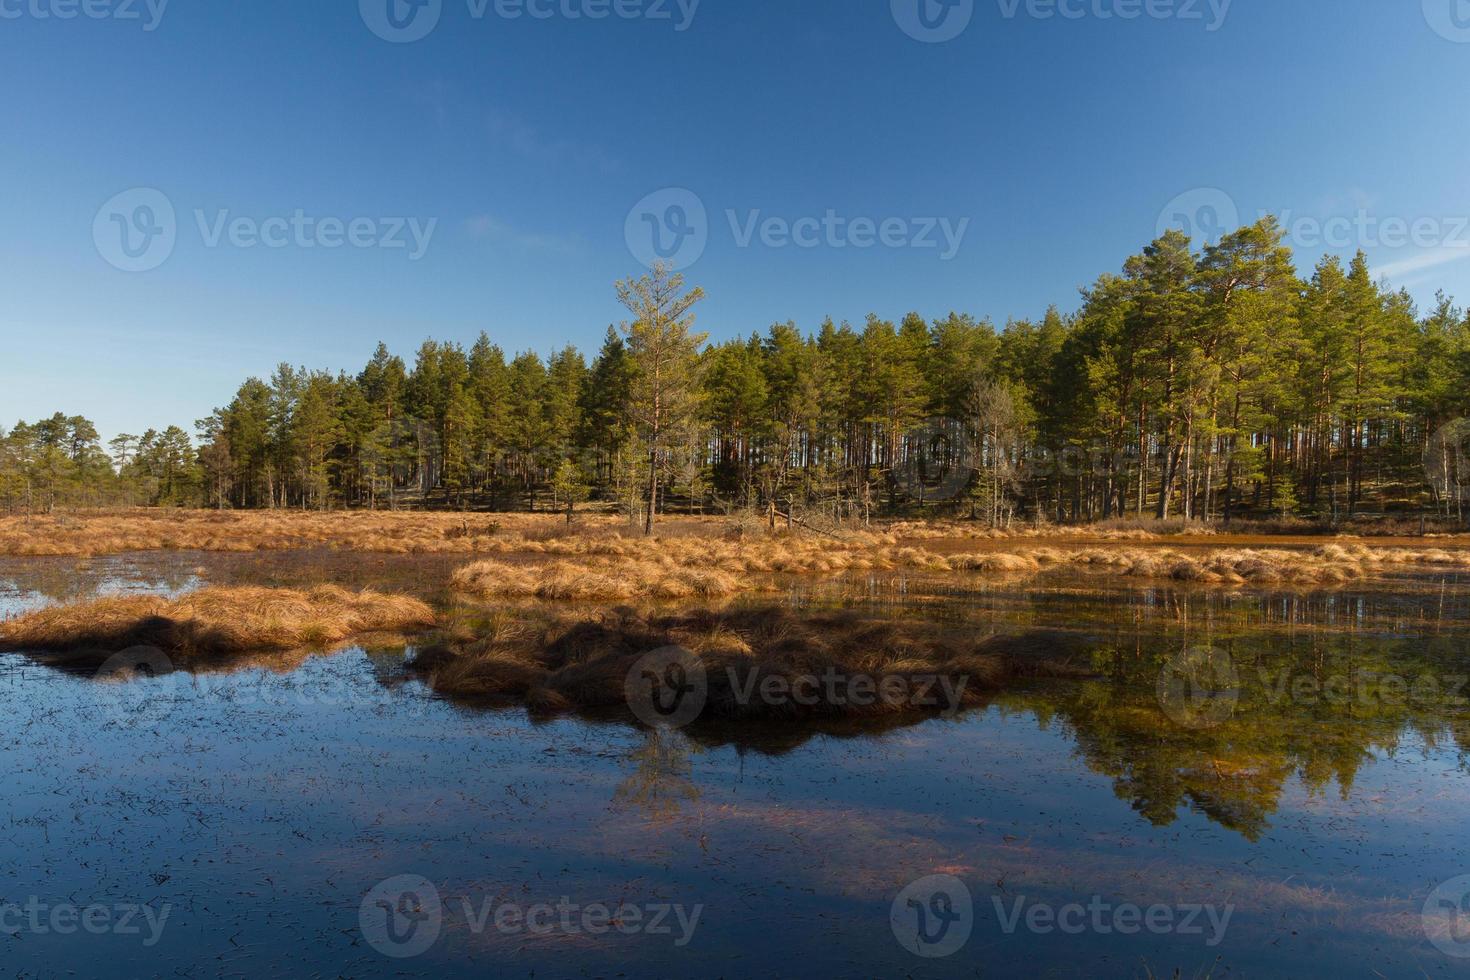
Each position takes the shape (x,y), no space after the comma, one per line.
(215,621)
(692,558)
(385,532)
(565,663)
(1328,565)
(604,580)
(621,569)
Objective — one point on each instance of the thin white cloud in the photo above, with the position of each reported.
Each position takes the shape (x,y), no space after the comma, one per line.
(524,140)
(487,227)
(1432,259)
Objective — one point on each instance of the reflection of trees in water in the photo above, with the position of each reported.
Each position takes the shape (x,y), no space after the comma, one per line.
(662,777)
(1234,773)
(1067,598)
(75,579)
(1287,722)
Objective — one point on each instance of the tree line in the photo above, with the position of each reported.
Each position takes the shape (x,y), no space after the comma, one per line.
(1201,382)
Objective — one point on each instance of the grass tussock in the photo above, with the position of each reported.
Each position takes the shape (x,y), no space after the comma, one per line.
(1331,564)
(216,621)
(569,664)
(692,567)
(384,532)
(605,580)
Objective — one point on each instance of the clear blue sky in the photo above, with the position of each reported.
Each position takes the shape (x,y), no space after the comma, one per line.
(1061,140)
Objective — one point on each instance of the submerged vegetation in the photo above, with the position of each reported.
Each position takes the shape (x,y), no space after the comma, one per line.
(566,663)
(215,621)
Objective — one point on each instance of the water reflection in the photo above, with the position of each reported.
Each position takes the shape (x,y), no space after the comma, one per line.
(662,774)
(1314,707)
(263,797)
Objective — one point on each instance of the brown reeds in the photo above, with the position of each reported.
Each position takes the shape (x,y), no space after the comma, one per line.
(215,620)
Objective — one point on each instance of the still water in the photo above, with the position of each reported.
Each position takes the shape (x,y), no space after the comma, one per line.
(320,814)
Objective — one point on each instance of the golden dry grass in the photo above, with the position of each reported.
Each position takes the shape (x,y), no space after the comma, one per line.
(599,560)
(1331,564)
(601,580)
(215,620)
(567,663)
(387,532)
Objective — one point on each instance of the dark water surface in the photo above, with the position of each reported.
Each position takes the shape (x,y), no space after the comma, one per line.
(1294,818)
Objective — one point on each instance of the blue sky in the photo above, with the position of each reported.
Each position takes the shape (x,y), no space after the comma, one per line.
(1053,143)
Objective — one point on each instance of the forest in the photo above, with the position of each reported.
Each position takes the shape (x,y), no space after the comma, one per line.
(1201,383)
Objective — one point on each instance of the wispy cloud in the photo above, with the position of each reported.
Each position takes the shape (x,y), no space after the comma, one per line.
(1431,259)
(487,227)
(526,141)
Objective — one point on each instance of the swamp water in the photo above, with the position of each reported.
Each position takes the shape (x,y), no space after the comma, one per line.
(1252,784)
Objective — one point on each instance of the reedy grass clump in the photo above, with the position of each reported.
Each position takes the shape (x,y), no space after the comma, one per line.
(567,663)
(599,581)
(216,621)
